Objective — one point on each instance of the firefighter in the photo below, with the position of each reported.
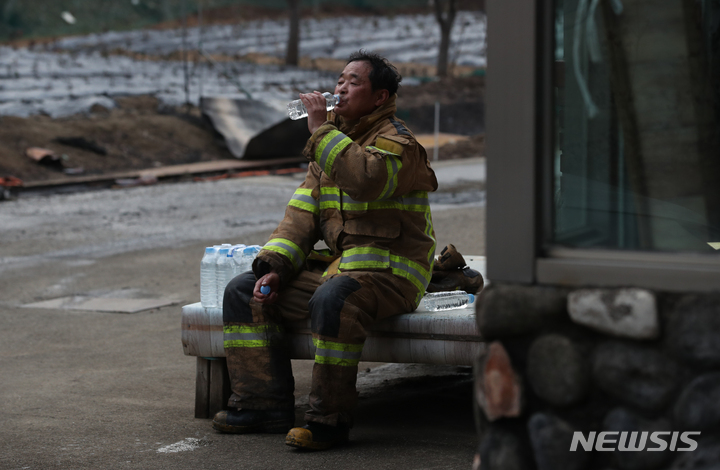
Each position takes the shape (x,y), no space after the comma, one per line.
(365,196)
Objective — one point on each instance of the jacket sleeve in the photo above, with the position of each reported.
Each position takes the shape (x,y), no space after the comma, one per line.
(390,167)
(296,234)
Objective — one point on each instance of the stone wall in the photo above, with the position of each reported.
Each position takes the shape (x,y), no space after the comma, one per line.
(618,361)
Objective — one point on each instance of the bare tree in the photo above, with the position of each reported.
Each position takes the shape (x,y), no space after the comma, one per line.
(167,10)
(292,55)
(7,9)
(445,16)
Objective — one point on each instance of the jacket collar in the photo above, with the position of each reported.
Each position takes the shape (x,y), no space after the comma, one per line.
(362,125)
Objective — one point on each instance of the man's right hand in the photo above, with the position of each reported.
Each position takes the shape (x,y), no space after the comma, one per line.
(272,280)
(316,105)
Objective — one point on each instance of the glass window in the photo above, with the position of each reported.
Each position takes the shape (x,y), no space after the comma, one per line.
(637,119)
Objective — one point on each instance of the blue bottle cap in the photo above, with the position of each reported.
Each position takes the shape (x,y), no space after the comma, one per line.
(265,290)
(472,298)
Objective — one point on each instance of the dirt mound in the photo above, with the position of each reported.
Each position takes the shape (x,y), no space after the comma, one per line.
(472,147)
(136,135)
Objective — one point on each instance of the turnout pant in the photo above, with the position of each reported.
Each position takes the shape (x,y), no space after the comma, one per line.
(341,309)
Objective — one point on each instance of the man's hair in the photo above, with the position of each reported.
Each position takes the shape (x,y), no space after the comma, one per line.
(383,74)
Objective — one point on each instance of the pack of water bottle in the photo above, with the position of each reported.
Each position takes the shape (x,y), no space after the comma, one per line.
(219,265)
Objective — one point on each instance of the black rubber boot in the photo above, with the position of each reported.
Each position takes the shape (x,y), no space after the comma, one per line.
(467,279)
(316,436)
(254,421)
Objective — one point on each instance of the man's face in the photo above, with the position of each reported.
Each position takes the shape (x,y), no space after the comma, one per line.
(357,98)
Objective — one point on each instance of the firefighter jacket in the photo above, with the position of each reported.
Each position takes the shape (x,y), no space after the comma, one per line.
(365,195)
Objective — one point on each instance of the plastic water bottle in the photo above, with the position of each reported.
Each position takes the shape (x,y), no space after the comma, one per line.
(223,268)
(208,278)
(238,260)
(249,254)
(296,109)
(243,258)
(437,301)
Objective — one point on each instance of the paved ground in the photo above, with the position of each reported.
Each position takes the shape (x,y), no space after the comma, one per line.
(89,390)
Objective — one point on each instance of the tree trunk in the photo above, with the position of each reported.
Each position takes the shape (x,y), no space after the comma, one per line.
(292,54)
(445,19)
(7,10)
(167,11)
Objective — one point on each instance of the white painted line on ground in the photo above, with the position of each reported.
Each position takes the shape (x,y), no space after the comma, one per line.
(189,443)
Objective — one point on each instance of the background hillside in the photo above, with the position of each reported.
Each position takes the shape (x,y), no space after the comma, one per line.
(33,19)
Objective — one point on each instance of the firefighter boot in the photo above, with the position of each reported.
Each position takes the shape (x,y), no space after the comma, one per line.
(254,421)
(467,279)
(450,259)
(317,436)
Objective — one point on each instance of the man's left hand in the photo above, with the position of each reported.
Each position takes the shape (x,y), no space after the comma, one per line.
(271,280)
(316,105)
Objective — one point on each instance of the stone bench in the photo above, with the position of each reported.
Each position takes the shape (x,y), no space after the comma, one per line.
(448,337)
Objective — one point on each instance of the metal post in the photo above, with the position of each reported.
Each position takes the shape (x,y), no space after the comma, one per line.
(437,130)
(186,72)
(200,48)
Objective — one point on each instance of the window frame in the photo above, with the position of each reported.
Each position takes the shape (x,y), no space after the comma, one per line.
(519,87)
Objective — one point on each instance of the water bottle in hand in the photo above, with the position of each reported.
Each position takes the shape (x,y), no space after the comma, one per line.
(296,109)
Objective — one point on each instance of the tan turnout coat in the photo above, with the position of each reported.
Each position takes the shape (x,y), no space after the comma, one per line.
(365,195)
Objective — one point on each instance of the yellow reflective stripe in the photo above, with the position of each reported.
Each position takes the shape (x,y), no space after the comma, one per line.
(329,198)
(394,165)
(350,204)
(324,143)
(339,354)
(365,258)
(336,361)
(328,190)
(331,144)
(288,249)
(250,343)
(411,271)
(250,329)
(302,199)
(321,343)
(337,149)
(386,152)
(430,232)
(304,206)
(416,201)
(241,336)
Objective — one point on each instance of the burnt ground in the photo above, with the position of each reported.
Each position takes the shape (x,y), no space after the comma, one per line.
(141,133)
